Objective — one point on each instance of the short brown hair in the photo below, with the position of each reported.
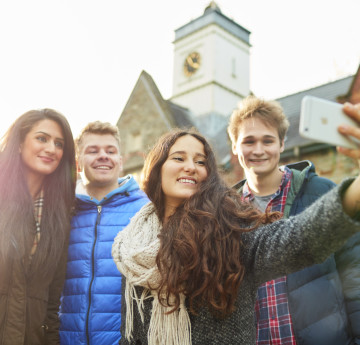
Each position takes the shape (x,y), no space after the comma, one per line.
(97,127)
(270,112)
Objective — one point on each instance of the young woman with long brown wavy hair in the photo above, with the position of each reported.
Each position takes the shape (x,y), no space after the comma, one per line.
(193,258)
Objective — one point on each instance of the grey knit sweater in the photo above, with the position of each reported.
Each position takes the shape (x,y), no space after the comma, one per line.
(273,250)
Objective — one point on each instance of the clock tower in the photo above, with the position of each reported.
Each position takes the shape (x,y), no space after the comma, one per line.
(211,64)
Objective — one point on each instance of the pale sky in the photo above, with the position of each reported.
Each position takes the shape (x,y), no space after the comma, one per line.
(83,57)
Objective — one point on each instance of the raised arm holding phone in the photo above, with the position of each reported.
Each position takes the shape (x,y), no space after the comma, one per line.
(351,201)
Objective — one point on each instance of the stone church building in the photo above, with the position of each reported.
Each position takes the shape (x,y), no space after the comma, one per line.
(211,74)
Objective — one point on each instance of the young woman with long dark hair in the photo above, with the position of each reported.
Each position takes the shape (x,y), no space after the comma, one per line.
(193,258)
(37,183)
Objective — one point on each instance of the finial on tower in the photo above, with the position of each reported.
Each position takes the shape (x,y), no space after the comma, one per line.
(213,6)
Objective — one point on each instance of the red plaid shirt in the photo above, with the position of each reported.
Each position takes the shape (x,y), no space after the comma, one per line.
(273,319)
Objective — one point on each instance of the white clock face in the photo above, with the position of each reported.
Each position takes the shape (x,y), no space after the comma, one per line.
(192,63)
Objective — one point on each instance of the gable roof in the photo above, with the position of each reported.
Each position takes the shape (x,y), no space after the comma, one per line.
(172,114)
(212,126)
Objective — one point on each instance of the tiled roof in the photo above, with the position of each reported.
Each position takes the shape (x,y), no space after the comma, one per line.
(182,117)
(213,126)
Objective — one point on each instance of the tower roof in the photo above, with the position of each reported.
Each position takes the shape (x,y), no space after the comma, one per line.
(213,15)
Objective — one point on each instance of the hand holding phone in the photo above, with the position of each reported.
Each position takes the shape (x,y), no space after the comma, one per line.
(320,119)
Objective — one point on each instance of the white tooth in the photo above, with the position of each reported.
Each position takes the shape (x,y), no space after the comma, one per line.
(183,180)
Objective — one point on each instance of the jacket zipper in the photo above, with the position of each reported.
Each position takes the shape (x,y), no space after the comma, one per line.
(92,273)
(298,195)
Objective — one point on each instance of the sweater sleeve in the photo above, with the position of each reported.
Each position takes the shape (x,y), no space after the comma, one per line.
(348,265)
(289,245)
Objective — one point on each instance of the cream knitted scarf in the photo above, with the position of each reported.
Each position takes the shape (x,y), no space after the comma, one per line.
(134,251)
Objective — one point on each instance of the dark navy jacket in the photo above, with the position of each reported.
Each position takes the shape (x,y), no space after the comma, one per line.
(91,301)
(324,299)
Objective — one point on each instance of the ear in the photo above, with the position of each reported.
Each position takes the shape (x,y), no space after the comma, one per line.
(233,148)
(79,164)
(282,145)
(121,163)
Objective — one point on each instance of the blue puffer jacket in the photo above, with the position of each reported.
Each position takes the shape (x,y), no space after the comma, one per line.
(324,299)
(90,304)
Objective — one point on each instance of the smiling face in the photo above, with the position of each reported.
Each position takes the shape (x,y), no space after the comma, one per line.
(42,149)
(100,161)
(258,148)
(183,171)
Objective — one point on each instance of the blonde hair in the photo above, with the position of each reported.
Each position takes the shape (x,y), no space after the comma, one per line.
(96,127)
(270,112)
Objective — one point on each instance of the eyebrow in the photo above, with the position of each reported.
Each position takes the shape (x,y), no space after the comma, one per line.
(97,146)
(265,136)
(184,152)
(48,135)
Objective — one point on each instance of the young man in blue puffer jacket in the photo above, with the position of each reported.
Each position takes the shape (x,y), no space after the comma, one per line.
(319,305)
(91,300)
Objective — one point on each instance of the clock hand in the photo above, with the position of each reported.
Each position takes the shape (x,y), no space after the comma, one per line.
(189,60)
(192,63)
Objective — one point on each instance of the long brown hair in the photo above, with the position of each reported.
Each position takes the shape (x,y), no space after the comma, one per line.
(200,244)
(17,223)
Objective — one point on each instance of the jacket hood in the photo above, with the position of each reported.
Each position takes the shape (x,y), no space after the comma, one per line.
(302,166)
(127,184)
(306,167)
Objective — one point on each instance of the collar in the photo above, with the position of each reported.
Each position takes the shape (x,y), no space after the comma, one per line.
(81,189)
(287,173)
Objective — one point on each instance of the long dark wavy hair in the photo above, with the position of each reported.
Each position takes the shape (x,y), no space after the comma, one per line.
(17,223)
(200,244)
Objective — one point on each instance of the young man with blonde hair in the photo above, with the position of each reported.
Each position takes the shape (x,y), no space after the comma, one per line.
(91,301)
(319,305)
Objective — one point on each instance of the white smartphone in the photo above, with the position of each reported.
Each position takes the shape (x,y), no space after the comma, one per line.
(319,120)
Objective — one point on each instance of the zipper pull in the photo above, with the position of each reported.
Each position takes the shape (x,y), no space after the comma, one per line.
(99,207)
